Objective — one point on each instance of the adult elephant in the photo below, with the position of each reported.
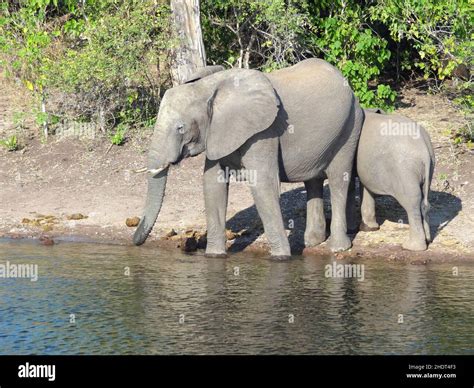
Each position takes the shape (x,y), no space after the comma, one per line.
(299,124)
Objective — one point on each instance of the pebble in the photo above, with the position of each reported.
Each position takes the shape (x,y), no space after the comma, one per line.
(132,221)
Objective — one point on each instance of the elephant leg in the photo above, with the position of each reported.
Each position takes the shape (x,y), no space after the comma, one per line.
(367,208)
(266,194)
(339,176)
(412,205)
(351,207)
(315,232)
(216,190)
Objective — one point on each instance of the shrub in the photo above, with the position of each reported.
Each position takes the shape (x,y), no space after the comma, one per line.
(344,39)
(440,33)
(99,61)
(11,143)
(273,34)
(107,61)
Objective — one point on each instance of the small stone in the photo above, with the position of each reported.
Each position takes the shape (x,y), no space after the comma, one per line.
(76,216)
(230,235)
(25,221)
(45,240)
(170,233)
(190,233)
(132,221)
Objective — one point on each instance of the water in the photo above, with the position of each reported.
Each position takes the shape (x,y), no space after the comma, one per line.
(173,303)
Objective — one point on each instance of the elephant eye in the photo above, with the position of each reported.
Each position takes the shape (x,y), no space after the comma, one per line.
(180,128)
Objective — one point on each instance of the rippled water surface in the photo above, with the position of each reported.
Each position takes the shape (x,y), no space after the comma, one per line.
(173,303)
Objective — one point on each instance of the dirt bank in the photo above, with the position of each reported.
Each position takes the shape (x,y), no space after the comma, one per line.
(47,186)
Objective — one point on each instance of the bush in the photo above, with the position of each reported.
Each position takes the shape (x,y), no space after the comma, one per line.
(107,61)
(98,62)
(439,32)
(344,39)
(270,34)
(11,143)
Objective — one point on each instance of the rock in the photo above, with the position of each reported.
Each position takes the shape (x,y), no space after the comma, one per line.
(45,240)
(132,221)
(176,237)
(76,216)
(190,245)
(170,233)
(190,233)
(47,228)
(230,235)
(25,221)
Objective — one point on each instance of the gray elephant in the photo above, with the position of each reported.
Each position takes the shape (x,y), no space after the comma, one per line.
(395,157)
(298,124)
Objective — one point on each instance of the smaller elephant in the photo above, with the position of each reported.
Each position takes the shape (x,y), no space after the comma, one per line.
(395,157)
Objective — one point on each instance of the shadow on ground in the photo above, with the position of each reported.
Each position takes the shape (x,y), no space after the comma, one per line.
(444,208)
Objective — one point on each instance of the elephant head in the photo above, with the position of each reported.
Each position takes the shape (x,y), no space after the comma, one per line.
(215,111)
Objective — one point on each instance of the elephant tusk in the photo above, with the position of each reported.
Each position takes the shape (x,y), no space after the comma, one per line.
(141,170)
(156,171)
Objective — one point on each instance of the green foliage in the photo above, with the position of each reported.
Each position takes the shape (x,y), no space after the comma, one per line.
(107,61)
(273,34)
(440,32)
(118,138)
(344,39)
(266,33)
(11,143)
(91,59)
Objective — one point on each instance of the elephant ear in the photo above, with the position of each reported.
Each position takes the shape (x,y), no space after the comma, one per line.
(203,72)
(243,104)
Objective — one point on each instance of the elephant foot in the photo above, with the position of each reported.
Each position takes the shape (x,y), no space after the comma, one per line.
(280,257)
(371,227)
(340,243)
(216,255)
(411,245)
(313,239)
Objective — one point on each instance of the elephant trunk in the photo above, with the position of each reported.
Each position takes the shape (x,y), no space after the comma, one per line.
(154,199)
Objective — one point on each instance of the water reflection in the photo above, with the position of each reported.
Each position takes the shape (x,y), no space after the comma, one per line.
(172,303)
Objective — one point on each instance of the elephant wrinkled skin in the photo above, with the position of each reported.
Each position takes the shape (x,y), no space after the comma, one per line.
(395,157)
(299,124)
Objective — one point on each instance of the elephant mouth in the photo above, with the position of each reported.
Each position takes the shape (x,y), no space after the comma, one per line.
(155,171)
(185,152)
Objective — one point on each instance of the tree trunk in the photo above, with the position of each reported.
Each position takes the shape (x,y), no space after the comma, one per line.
(190,54)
